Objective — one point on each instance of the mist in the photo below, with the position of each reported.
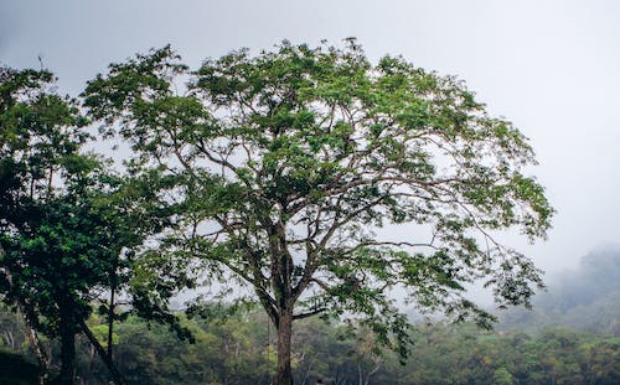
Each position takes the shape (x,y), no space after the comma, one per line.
(550,67)
(586,298)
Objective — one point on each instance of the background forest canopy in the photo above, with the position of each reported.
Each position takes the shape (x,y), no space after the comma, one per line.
(240,349)
(271,171)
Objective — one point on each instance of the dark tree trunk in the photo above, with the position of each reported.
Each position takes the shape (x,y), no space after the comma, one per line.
(111,323)
(285,330)
(37,347)
(67,346)
(33,337)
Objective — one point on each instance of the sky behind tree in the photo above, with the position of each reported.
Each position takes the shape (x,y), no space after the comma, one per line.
(552,67)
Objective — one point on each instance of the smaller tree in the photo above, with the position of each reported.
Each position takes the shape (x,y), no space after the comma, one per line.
(39,133)
(68,226)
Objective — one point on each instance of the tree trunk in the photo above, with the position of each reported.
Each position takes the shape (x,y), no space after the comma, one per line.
(111,322)
(33,337)
(67,346)
(285,330)
(37,347)
(9,340)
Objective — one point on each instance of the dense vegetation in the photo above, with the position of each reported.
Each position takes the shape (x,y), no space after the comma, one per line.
(577,345)
(241,352)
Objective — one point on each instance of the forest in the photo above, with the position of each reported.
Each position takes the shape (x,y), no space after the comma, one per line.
(566,339)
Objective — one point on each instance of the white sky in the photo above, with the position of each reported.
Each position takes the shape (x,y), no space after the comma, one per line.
(550,66)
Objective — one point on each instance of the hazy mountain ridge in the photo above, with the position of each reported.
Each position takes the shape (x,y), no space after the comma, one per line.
(587,299)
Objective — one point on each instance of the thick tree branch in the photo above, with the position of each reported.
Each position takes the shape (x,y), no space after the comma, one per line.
(310,313)
(116,375)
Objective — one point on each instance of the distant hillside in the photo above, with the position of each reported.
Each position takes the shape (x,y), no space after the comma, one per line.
(587,299)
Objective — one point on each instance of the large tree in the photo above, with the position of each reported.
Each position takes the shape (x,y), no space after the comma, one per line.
(288,160)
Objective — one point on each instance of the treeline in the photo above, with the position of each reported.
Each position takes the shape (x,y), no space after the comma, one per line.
(241,351)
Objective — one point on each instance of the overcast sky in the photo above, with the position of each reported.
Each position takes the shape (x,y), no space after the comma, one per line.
(551,67)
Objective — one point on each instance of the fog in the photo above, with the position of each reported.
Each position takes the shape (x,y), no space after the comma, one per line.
(586,298)
(552,67)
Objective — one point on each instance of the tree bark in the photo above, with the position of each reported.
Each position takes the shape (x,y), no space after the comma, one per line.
(67,346)
(111,322)
(285,329)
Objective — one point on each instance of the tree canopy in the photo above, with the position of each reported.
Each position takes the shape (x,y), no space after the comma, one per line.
(286,162)
(68,224)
